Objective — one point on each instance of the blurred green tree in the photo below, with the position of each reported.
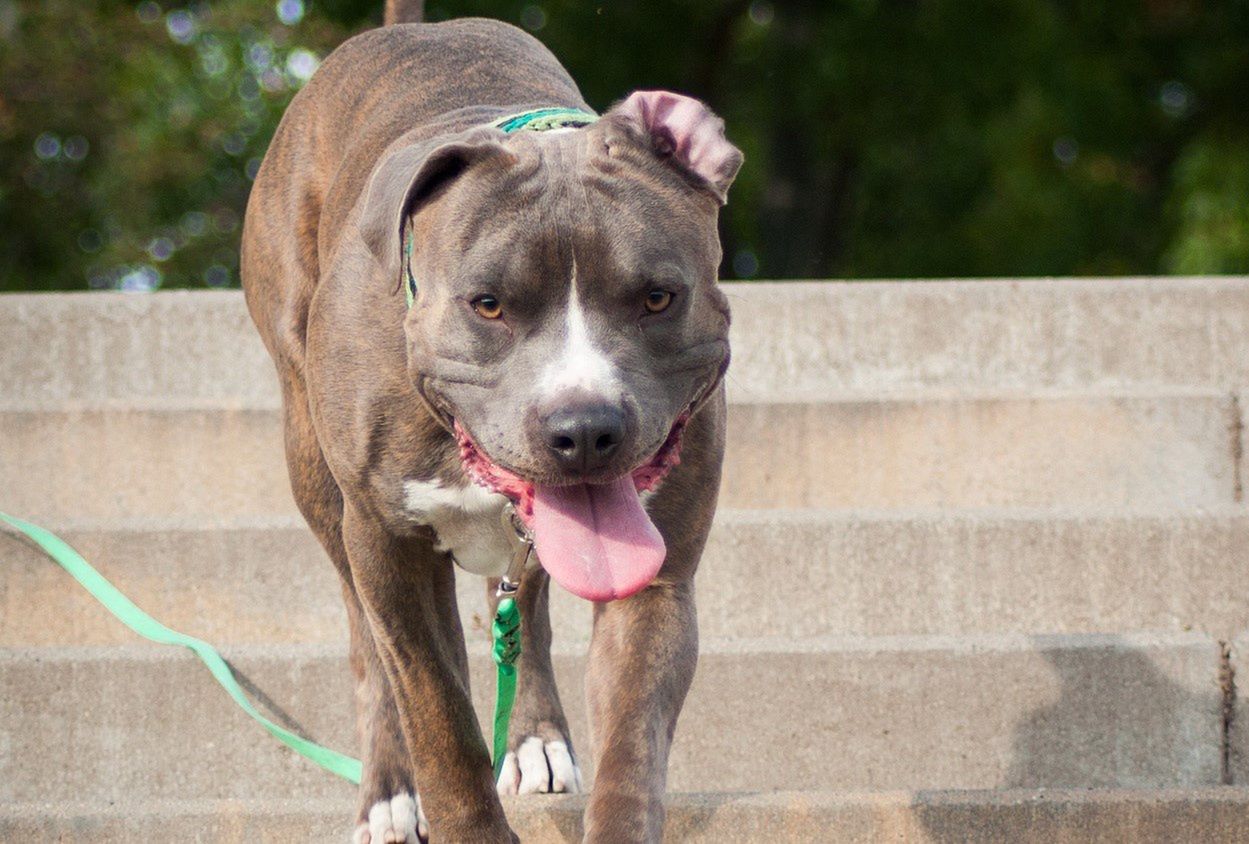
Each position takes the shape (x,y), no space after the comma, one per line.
(884,138)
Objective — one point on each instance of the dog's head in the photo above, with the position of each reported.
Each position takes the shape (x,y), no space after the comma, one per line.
(566,320)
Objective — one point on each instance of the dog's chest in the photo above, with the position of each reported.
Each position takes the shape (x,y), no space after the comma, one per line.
(468,521)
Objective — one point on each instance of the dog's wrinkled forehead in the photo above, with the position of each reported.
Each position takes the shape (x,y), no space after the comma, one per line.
(565,197)
(558,206)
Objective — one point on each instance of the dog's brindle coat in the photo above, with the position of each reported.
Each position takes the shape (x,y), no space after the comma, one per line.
(393,131)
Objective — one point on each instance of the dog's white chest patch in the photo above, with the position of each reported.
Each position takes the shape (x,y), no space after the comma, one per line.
(468,521)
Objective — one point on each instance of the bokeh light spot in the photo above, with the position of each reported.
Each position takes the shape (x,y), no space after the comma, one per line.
(290,12)
(148,11)
(47,146)
(1176,98)
(1066,150)
(194,223)
(90,240)
(181,26)
(259,56)
(217,276)
(761,12)
(533,17)
(301,64)
(234,143)
(225,220)
(746,263)
(76,148)
(273,81)
(161,249)
(141,279)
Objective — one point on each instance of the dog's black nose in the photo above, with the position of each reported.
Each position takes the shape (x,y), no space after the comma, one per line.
(584,437)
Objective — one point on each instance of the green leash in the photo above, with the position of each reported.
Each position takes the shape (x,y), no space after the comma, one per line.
(506,632)
(149,628)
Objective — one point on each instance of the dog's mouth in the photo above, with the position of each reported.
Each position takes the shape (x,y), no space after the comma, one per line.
(595,539)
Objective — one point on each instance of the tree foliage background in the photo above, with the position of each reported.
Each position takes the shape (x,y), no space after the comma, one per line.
(883,138)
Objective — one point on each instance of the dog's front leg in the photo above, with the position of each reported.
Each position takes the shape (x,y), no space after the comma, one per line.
(418,638)
(642,659)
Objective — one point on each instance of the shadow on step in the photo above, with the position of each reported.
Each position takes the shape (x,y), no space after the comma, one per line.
(1126,715)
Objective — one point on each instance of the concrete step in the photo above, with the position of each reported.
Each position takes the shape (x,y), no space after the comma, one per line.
(765,573)
(1178,448)
(1138,711)
(1046,816)
(792,341)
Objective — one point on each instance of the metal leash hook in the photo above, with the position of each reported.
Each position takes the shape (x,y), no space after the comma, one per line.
(510,582)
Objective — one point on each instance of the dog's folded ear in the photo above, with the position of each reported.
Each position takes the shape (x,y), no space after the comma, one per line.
(683,131)
(410,175)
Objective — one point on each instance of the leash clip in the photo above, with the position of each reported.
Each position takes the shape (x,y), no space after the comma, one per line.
(510,582)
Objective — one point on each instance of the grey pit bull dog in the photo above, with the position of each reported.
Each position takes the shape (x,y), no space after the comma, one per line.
(564,350)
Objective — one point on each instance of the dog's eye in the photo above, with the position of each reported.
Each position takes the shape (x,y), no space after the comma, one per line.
(658,300)
(488,307)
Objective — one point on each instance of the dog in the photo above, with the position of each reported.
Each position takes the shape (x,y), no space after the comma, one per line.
(563,355)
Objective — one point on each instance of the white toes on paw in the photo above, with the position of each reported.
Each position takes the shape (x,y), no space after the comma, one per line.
(539,767)
(398,820)
(565,775)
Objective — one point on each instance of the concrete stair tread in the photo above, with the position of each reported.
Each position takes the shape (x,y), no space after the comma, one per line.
(782,395)
(1045,816)
(797,515)
(1182,447)
(911,712)
(141,650)
(800,337)
(877,572)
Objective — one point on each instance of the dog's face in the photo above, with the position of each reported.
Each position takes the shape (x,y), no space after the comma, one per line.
(567,319)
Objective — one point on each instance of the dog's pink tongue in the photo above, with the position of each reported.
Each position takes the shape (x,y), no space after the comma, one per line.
(596,540)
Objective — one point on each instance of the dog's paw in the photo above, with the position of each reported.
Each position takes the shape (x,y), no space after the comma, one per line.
(398,820)
(539,767)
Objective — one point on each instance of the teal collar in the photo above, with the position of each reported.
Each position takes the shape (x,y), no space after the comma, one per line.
(534,120)
(544,119)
